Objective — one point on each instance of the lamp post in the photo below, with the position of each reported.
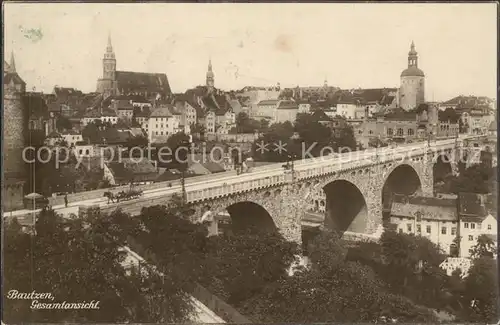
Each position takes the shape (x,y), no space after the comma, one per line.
(182,162)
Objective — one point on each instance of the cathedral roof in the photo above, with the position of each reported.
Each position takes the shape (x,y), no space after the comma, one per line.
(13,77)
(129,81)
(412,72)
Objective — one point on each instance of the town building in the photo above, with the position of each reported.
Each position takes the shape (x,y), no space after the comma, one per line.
(433,218)
(105,115)
(127,171)
(162,124)
(113,82)
(286,111)
(71,137)
(454,224)
(412,89)
(478,216)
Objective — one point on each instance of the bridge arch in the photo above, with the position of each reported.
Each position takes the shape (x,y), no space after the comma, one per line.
(250,216)
(442,167)
(346,208)
(401,179)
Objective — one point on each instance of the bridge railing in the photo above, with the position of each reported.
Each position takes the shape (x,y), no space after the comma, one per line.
(307,168)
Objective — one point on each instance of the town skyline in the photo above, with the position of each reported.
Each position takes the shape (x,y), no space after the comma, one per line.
(250,47)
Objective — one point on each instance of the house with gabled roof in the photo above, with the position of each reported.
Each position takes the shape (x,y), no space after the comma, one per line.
(162,124)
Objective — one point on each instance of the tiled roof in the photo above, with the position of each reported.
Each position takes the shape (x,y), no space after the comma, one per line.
(423,200)
(199,169)
(70,132)
(213,167)
(472,204)
(129,82)
(429,212)
(138,170)
(67,92)
(122,104)
(162,111)
(54,135)
(112,136)
(96,113)
(268,102)
(469,102)
(235,105)
(287,104)
(144,112)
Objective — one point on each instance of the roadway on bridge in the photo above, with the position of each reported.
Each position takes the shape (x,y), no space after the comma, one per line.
(219,179)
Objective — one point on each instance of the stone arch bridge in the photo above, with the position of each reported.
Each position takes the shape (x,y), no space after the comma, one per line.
(354,183)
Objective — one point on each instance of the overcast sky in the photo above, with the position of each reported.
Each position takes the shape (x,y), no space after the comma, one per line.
(351,45)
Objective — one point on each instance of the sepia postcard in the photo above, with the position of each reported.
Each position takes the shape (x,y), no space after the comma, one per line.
(250,163)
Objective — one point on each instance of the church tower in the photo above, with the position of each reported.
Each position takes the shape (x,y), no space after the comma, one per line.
(210,77)
(109,62)
(412,90)
(106,85)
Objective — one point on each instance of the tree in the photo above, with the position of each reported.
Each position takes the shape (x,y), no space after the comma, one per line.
(477,178)
(244,124)
(481,291)
(79,260)
(411,267)
(63,123)
(139,141)
(243,265)
(264,148)
(331,290)
(485,247)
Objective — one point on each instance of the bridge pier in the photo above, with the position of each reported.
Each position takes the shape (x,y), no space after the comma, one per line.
(289,213)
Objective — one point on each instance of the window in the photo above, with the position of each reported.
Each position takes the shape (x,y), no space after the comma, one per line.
(400,132)
(453,231)
(489,227)
(87,151)
(419,229)
(161,132)
(370,132)
(478,226)
(443,230)
(156,125)
(411,132)
(156,132)
(428,229)
(389,131)
(472,225)
(80,151)
(466,225)
(408,226)
(471,238)
(360,131)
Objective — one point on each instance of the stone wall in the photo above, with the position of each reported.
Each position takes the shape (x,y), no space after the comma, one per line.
(14,133)
(412,92)
(12,196)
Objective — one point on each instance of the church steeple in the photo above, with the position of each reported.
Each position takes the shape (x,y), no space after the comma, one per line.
(412,56)
(109,62)
(210,76)
(109,48)
(12,64)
